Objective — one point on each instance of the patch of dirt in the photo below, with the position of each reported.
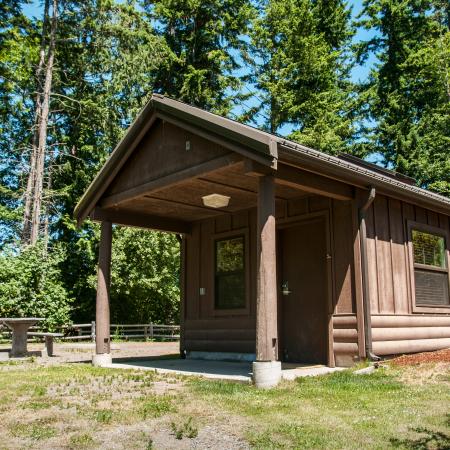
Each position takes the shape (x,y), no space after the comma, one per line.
(440,356)
(423,368)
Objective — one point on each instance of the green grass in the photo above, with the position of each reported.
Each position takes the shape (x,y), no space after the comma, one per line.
(381,410)
(340,410)
(81,441)
(37,431)
(156,406)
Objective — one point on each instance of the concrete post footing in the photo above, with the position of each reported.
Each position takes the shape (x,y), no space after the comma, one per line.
(266,374)
(101,359)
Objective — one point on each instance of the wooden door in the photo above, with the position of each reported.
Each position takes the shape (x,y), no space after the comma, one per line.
(303,292)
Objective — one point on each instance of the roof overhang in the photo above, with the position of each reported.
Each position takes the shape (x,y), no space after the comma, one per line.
(240,138)
(257,145)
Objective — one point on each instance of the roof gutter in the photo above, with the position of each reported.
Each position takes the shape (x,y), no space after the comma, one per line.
(342,170)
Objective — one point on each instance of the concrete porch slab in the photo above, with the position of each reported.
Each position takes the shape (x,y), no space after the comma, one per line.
(219,370)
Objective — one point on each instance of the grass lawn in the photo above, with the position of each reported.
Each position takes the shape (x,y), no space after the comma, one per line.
(78,406)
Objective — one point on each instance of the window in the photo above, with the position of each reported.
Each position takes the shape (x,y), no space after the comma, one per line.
(430,269)
(230,273)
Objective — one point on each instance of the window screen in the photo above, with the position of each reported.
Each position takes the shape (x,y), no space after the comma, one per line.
(430,269)
(429,249)
(230,273)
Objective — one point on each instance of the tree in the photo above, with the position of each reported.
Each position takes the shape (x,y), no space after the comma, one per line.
(408,91)
(30,285)
(205,38)
(18,51)
(300,71)
(111,63)
(105,59)
(145,276)
(34,191)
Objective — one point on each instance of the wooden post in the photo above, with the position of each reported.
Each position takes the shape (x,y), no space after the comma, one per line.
(266,300)
(151,330)
(102,332)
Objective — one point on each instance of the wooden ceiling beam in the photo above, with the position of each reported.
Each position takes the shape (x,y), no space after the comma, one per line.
(235,188)
(217,211)
(312,182)
(297,178)
(170,180)
(138,220)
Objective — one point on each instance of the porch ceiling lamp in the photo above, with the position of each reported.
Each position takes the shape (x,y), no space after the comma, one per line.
(216,200)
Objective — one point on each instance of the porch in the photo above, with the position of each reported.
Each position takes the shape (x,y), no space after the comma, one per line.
(267,248)
(240,372)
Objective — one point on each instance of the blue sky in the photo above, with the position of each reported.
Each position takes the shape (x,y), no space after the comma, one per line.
(359,73)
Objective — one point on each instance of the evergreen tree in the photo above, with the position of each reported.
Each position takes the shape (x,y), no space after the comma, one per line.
(408,91)
(18,50)
(205,37)
(106,57)
(300,70)
(111,63)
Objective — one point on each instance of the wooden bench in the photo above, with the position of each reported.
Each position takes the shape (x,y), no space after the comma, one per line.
(48,337)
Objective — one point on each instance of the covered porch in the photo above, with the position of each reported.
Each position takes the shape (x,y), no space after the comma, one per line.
(221,186)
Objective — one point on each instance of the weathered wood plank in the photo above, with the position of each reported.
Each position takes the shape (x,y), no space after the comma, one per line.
(154,185)
(311,182)
(102,314)
(207,264)
(134,219)
(384,263)
(193,243)
(372,260)
(267,290)
(343,256)
(399,268)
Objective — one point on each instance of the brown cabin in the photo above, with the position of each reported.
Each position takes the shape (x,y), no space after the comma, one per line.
(287,253)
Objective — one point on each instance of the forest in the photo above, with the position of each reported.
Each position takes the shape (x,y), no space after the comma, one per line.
(74,74)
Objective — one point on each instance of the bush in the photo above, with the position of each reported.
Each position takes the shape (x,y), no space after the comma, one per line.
(145,273)
(31,286)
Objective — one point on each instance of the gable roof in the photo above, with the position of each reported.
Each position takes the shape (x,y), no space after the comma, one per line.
(256,144)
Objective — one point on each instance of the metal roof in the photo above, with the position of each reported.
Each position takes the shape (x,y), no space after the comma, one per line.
(261,145)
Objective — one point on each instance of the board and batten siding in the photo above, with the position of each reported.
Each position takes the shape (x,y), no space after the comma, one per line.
(397,326)
(206,329)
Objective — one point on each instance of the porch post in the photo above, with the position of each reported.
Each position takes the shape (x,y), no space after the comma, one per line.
(266,369)
(102,338)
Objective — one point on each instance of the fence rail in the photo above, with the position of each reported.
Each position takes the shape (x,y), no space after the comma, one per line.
(86,331)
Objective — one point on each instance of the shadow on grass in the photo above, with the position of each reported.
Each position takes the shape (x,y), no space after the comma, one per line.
(431,440)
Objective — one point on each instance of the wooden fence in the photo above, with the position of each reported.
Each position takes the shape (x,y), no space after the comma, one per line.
(86,331)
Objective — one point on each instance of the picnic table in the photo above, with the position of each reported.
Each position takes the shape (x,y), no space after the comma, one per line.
(19,328)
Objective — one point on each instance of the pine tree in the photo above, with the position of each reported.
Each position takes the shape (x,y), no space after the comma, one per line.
(300,71)
(206,38)
(408,91)
(18,50)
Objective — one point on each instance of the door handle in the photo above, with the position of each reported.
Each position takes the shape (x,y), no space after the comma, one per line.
(285,288)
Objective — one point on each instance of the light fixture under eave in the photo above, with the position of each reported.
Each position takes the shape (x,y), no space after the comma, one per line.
(216,200)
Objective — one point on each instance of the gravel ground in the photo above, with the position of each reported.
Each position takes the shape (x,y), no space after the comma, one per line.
(82,352)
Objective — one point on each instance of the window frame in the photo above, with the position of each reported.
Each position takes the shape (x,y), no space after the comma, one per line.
(417,226)
(225,236)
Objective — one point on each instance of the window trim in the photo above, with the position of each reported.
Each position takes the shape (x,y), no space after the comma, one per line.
(224,236)
(412,225)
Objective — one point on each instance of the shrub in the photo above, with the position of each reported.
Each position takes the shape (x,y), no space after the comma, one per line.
(31,286)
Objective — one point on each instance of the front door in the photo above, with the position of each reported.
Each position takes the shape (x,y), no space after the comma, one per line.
(303,292)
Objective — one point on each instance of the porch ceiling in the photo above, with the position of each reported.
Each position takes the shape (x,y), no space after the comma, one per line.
(183,200)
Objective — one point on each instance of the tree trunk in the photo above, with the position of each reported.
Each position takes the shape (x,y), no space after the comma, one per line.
(42,132)
(28,195)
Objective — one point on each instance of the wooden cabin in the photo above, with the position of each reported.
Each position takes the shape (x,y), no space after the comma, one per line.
(288,254)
